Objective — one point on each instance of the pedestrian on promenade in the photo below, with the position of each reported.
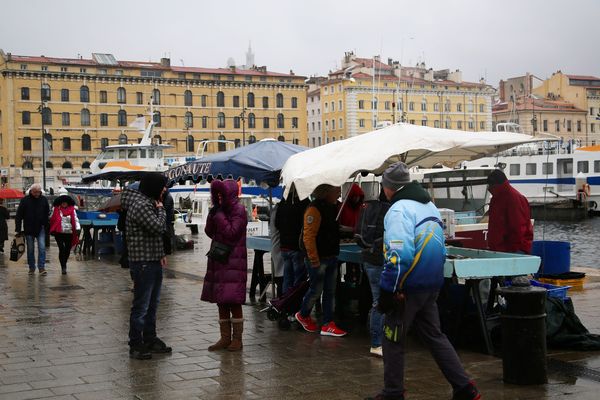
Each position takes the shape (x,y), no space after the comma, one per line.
(64,226)
(289,221)
(4,216)
(321,239)
(145,226)
(32,218)
(413,274)
(509,226)
(227,267)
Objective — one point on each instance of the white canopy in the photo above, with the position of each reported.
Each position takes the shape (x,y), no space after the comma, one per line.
(336,162)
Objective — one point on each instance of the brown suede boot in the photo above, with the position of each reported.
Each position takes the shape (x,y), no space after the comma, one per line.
(225,341)
(236,338)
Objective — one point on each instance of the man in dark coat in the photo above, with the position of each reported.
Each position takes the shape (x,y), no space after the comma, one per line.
(32,218)
(4,216)
(509,227)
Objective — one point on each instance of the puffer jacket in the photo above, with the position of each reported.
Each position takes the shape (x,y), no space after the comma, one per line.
(226,223)
(413,243)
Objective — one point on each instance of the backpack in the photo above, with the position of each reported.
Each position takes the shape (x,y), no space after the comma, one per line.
(368,231)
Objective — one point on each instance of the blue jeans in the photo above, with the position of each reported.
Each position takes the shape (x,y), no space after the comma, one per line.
(322,280)
(376,318)
(147,281)
(41,242)
(294,270)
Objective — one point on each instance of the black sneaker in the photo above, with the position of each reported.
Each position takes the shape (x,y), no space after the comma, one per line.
(468,392)
(158,346)
(64,270)
(32,272)
(139,352)
(43,272)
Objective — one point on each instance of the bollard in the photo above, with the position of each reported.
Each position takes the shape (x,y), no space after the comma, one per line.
(524,335)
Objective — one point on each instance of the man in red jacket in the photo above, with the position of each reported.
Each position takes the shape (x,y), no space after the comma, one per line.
(509,227)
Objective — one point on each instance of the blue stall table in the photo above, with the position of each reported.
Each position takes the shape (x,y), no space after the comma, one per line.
(90,231)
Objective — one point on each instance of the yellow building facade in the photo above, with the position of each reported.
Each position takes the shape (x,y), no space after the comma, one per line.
(87,104)
(366,94)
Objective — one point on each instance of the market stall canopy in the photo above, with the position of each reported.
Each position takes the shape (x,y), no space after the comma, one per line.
(9,193)
(373,152)
(113,176)
(261,161)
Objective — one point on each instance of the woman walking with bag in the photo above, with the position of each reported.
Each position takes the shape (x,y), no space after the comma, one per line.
(227,269)
(64,226)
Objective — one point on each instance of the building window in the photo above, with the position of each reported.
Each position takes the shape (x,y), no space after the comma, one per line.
(436,123)
(121,96)
(515,169)
(204,122)
(361,123)
(252,139)
(530,168)
(122,138)
(139,98)
(448,124)
(332,106)
(251,121)
(27,165)
(265,101)
(481,125)
(221,120)
(424,105)
(189,143)
(222,146)
(85,117)
(23,67)
(340,108)
(436,107)
(279,100)
(578,126)
(46,116)
(333,124)
(557,125)
(569,126)
(103,142)
(374,105)
(103,96)
(470,106)
(281,138)
(250,99)
(67,165)
(280,121)
(447,107)
(424,122)
(64,95)
(459,125)
(361,104)
(157,139)
(481,108)
(583,166)
(122,120)
(459,107)
(236,101)
(294,102)
(545,125)
(45,93)
(592,128)
(471,124)
(220,99)
(157,118)
(236,122)
(66,119)
(26,118)
(26,143)
(326,125)
(103,119)
(266,122)
(341,124)
(24,93)
(547,168)
(85,165)
(156,97)
(187,98)
(411,106)
(188,120)
(66,144)
(86,142)
(49,165)
(84,94)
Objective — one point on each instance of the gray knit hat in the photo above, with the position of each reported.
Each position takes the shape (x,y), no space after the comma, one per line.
(395,176)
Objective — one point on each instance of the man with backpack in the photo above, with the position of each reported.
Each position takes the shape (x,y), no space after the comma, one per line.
(412,276)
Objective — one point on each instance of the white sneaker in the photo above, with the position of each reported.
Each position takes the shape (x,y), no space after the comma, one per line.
(376,351)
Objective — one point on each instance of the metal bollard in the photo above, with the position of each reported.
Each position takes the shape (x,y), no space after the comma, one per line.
(524,335)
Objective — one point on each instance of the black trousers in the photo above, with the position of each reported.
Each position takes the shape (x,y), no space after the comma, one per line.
(63,240)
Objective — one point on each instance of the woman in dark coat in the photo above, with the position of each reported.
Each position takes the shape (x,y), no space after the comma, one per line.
(4,215)
(225,282)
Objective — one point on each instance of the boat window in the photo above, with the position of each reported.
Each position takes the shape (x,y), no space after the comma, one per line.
(547,168)
(515,169)
(583,166)
(159,153)
(568,167)
(142,153)
(122,153)
(132,154)
(596,166)
(150,153)
(109,154)
(530,169)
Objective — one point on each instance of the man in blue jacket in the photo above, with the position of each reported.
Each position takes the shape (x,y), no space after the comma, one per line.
(413,273)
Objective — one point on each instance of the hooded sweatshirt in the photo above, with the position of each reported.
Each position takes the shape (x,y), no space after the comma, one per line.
(351,209)
(413,243)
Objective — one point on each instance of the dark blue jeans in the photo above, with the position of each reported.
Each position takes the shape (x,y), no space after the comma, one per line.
(322,280)
(294,270)
(376,319)
(147,280)
(41,243)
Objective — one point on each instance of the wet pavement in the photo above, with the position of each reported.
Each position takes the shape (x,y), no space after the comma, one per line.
(65,337)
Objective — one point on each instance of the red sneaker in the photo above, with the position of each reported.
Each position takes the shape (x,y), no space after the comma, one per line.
(332,330)
(307,323)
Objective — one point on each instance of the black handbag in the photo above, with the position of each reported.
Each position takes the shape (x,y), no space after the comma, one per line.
(219,252)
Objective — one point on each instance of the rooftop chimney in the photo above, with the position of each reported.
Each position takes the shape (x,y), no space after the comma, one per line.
(165,62)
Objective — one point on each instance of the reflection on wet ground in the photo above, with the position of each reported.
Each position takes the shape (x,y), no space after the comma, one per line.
(64,337)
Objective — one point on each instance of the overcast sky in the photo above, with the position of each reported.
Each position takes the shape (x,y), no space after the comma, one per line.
(483,38)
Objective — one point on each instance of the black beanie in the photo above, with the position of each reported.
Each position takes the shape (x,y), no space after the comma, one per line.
(152,184)
(497,177)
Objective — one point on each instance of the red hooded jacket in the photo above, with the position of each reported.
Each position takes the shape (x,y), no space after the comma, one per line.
(351,209)
(509,227)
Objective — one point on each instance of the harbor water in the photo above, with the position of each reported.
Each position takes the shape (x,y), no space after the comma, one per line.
(582,235)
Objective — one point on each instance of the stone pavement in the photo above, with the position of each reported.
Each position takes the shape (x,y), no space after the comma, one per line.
(65,337)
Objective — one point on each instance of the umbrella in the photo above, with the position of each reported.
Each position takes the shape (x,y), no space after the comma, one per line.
(8,193)
(63,198)
(114,203)
(336,162)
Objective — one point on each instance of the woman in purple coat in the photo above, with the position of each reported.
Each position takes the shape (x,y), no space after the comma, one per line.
(225,280)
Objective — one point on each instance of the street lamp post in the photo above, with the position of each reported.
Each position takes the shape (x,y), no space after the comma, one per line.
(41,109)
(243,117)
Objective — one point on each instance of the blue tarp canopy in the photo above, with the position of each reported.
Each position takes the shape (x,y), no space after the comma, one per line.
(261,161)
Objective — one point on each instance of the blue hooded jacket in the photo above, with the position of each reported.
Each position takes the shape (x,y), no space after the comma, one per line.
(414,247)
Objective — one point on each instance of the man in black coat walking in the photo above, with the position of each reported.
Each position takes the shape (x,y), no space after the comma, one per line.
(32,218)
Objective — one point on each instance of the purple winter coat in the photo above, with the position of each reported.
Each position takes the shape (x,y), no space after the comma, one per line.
(226,223)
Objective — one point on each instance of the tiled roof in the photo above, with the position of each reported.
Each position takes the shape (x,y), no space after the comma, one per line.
(416,81)
(229,71)
(538,105)
(584,77)
(368,63)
